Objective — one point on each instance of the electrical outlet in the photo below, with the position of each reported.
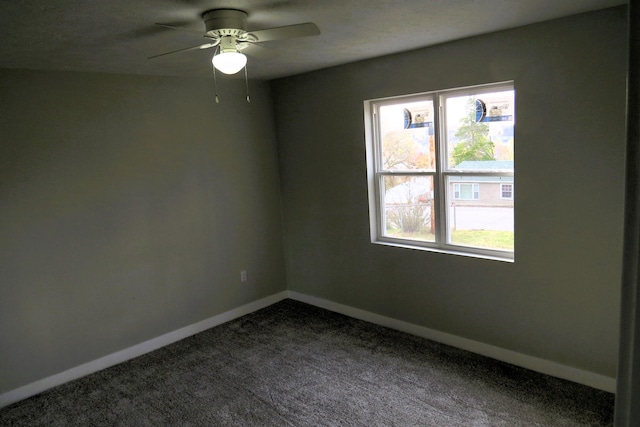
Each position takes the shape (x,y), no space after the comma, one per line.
(243,276)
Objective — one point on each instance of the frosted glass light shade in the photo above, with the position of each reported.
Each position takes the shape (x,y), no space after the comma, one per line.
(229,62)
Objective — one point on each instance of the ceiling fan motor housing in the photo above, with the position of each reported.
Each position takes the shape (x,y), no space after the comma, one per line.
(225,22)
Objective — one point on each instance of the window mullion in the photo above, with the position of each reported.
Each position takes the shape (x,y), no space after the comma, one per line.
(440,196)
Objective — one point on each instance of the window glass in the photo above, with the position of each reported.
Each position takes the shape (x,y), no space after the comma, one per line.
(408,207)
(478,224)
(479,128)
(466,191)
(479,139)
(407,132)
(506,191)
(443,169)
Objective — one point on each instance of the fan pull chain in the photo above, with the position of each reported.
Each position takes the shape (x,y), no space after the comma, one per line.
(215,82)
(246,80)
(215,85)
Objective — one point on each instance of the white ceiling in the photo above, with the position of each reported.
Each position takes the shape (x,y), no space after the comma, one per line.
(117,36)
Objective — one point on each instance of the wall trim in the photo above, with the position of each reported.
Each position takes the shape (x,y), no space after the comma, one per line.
(543,366)
(132,352)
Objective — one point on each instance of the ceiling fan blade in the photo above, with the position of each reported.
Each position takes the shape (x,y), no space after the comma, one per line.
(174,27)
(202,46)
(288,32)
(255,50)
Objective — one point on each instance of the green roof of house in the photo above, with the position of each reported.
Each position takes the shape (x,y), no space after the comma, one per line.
(484,165)
(467,178)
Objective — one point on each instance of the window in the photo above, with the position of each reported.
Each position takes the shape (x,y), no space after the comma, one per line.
(506,191)
(441,170)
(466,191)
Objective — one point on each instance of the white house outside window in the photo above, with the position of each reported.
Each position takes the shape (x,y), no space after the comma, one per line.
(441,170)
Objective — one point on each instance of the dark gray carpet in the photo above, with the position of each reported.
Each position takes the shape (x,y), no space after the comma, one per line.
(292,364)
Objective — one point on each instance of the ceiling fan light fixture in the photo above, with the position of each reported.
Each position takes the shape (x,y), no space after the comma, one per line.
(226,30)
(229,62)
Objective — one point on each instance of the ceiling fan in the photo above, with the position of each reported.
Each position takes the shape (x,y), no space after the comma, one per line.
(226,29)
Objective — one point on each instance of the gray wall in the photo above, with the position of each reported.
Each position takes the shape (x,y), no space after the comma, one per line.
(128,207)
(560,299)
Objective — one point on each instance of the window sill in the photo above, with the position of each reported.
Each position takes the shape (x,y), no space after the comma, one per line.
(445,251)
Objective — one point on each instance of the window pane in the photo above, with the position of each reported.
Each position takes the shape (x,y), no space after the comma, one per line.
(480,217)
(466,191)
(407,136)
(479,131)
(408,207)
(507,191)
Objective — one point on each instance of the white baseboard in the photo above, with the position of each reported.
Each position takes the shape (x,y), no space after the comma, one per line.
(535,364)
(543,366)
(137,350)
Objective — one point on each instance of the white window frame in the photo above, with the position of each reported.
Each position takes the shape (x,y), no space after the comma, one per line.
(475,191)
(442,197)
(502,191)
